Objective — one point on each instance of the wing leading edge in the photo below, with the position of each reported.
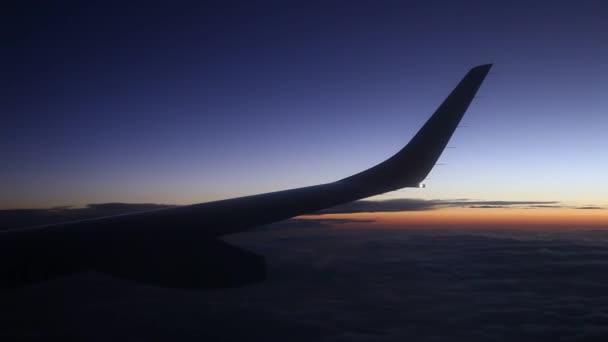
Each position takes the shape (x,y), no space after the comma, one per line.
(135,240)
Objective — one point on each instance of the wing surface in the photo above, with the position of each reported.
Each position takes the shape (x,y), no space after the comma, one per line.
(38,253)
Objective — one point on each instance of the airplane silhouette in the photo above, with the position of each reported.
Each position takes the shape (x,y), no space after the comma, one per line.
(178,247)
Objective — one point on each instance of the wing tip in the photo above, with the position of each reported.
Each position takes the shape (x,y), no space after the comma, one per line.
(482,68)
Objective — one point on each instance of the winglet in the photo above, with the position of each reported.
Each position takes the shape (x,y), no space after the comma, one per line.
(409,166)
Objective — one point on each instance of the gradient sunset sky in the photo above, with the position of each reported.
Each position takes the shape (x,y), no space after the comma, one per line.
(186,103)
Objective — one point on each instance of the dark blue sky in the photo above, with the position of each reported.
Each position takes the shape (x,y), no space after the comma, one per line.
(182,103)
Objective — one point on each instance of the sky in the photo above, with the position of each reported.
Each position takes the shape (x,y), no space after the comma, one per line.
(111,105)
(181,103)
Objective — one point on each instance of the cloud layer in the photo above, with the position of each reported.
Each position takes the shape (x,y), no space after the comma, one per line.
(351,285)
(415,204)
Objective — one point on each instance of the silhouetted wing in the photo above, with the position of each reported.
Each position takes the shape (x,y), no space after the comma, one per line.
(409,166)
(124,245)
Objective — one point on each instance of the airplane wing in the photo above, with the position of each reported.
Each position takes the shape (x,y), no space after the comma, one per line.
(178,247)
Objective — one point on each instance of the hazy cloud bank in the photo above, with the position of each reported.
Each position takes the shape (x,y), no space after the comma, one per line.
(15,218)
(351,285)
(415,204)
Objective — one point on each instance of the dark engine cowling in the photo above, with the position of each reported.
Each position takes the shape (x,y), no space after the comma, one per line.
(184,264)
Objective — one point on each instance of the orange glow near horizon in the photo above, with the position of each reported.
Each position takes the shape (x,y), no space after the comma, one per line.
(559,218)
